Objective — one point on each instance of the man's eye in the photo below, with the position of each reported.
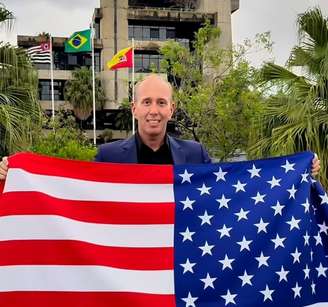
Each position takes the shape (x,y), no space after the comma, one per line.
(162,102)
(146,102)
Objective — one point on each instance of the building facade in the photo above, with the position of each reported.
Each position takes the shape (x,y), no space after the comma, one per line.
(150,23)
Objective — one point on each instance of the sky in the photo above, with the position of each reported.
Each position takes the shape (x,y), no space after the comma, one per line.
(63,17)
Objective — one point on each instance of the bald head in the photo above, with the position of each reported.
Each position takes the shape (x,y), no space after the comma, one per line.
(151,81)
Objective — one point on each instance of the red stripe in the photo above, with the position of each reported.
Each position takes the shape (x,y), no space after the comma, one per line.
(68,252)
(93,171)
(85,299)
(22,203)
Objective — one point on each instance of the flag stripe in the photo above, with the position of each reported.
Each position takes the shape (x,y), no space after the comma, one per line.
(105,172)
(84,278)
(32,203)
(85,299)
(48,227)
(30,252)
(67,188)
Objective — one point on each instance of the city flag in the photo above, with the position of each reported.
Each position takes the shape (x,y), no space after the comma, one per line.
(79,42)
(247,234)
(124,58)
(40,53)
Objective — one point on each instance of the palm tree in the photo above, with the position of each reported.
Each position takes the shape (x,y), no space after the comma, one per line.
(78,92)
(19,108)
(123,119)
(296,118)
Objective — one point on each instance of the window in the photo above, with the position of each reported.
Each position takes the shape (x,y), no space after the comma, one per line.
(170,33)
(147,62)
(45,89)
(154,34)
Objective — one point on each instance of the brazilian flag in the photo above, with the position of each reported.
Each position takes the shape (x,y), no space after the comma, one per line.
(79,42)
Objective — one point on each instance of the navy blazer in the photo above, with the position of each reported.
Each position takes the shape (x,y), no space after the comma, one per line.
(125,151)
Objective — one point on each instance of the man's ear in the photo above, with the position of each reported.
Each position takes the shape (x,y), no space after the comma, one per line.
(173,106)
(133,107)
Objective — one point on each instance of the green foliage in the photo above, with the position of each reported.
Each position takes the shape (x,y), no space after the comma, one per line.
(19,107)
(63,139)
(78,92)
(216,92)
(124,117)
(295,117)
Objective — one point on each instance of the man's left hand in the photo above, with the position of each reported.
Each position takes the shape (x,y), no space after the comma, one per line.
(315,166)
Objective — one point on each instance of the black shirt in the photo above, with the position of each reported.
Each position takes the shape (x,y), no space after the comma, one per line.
(148,156)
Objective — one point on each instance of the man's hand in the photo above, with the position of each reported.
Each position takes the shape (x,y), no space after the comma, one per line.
(315,166)
(3,168)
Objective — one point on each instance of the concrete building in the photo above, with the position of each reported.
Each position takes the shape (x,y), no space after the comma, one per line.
(150,23)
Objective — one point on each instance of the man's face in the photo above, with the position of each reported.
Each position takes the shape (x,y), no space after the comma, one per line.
(153,107)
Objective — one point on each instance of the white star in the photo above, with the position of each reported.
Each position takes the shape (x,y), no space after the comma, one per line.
(259,198)
(224,231)
(206,219)
(223,202)
(267,293)
(292,192)
(204,189)
(244,244)
(190,301)
(186,176)
(318,240)
(306,272)
(323,228)
(220,175)
(278,242)
(296,255)
(226,262)
(208,281)
(261,226)
(207,249)
(311,254)
(313,287)
(262,260)
(274,182)
(306,239)
(187,203)
(187,235)
(242,214)
(324,199)
(321,270)
(288,166)
(188,266)
(282,274)
(246,279)
(239,186)
(255,172)
(278,208)
(297,290)
(306,206)
(293,223)
(229,298)
(304,177)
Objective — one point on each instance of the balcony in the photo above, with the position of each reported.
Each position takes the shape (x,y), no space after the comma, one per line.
(165,4)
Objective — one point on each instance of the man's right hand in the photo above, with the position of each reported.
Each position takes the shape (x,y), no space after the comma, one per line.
(3,168)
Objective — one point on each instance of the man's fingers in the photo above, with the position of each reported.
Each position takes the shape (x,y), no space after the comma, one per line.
(3,168)
(315,166)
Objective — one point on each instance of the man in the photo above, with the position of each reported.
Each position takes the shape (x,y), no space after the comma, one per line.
(153,108)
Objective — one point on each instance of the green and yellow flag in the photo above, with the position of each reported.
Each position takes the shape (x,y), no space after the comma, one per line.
(79,42)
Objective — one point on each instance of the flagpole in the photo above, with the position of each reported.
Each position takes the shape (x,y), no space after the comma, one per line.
(133,121)
(52,80)
(93,84)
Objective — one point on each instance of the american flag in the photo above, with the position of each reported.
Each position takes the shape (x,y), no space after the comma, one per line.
(251,233)
(40,53)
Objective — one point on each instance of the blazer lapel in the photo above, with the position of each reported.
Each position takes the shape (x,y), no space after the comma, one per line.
(129,150)
(178,155)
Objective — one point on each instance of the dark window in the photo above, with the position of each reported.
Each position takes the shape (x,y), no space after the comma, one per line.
(137,32)
(130,31)
(45,89)
(146,33)
(162,33)
(97,29)
(154,33)
(72,59)
(147,62)
(170,33)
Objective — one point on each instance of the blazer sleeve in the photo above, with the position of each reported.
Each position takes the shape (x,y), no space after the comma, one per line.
(205,156)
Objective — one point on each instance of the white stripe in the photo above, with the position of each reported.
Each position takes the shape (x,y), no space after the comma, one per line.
(76,189)
(50,227)
(84,278)
(322,304)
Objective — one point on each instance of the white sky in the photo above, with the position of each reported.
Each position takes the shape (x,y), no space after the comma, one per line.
(63,17)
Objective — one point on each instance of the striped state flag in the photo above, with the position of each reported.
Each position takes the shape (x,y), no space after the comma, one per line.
(40,53)
(249,234)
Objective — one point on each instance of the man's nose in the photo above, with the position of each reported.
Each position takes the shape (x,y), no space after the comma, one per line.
(153,108)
